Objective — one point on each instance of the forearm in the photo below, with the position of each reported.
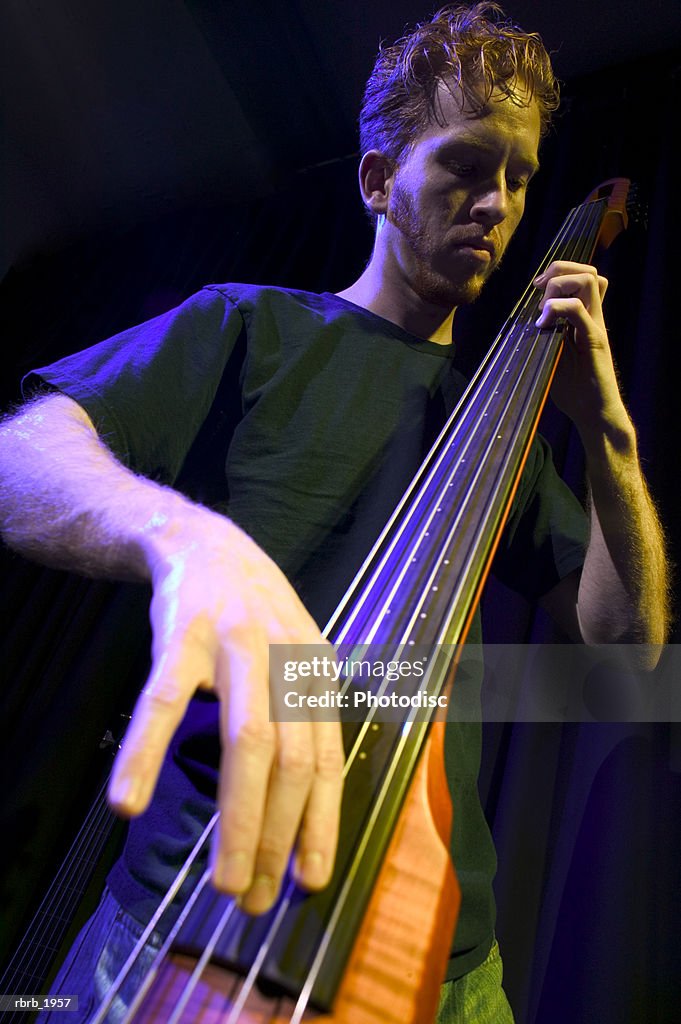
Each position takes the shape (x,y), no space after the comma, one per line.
(67,502)
(623,595)
(623,591)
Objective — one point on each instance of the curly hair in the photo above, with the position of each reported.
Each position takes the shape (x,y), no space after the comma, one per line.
(473,48)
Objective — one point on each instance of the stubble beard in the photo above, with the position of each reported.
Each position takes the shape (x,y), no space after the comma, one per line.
(431,284)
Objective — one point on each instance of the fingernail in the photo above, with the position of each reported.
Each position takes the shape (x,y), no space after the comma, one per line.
(232,872)
(261,895)
(312,869)
(126,793)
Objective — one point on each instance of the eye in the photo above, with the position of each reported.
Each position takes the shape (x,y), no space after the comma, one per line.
(461,170)
(516,184)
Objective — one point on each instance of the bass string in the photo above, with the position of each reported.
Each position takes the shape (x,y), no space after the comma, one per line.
(450,529)
(248,984)
(578,248)
(252,978)
(201,964)
(578,245)
(50,922)
(153,970)
(328,936)
(160,913)
(584,221)
(439,451)
(467,430)
(582,245)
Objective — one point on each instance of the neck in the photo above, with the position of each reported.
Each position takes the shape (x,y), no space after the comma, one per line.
(397,302)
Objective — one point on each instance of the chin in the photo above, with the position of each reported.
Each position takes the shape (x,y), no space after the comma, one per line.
(442,292)
(445,288)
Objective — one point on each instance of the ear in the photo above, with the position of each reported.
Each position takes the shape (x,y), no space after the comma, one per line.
(376,174)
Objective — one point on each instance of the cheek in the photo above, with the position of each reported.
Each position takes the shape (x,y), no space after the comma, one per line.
(513,220)
(401,206)
(457,203)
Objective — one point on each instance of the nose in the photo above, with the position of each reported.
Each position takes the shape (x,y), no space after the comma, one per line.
(490,205)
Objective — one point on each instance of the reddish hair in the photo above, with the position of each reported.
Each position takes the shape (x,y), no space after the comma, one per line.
(473,48)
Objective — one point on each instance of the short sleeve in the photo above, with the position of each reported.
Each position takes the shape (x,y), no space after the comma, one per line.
(546,535)
(149,389)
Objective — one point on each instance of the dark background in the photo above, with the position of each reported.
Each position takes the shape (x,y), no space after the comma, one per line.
(153,147)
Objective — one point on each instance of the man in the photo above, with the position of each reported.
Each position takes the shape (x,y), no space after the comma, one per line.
(304,418)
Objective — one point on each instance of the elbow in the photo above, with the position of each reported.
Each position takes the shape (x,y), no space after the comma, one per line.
(639,644)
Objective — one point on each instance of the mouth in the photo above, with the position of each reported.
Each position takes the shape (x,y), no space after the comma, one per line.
(476,249)
(476,244)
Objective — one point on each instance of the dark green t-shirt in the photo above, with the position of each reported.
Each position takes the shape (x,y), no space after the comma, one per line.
(304,418)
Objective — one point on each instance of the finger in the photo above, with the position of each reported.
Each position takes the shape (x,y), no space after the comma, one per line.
(318,841)
(289,788)
(571,309)
(159,710)
(559,268)
(248,746)
(582,286)
(301,787)
(564,278)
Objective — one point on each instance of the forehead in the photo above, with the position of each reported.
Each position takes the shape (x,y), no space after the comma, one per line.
(502,123)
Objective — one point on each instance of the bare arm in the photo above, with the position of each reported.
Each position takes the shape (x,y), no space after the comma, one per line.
(623,590)
(623,594)
(217,603)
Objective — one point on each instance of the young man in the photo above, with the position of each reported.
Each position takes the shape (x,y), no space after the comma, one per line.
(288,426)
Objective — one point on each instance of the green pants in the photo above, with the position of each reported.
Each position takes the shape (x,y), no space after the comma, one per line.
(477,997)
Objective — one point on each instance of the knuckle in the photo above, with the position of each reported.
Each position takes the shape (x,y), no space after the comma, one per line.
(163,694)
(198,634)
(296,762)
(272,851)
(172,631)
(239,823)
(330,762)
(255,736)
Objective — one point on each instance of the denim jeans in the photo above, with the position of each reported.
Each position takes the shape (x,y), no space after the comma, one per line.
(94,960)
(108,938)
